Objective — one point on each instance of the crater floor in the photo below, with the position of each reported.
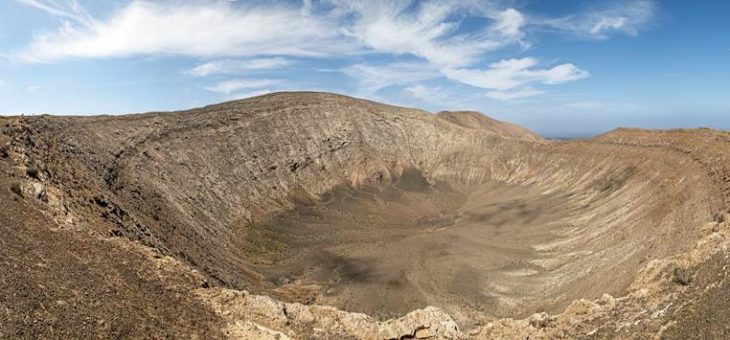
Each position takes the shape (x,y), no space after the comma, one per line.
(388,248)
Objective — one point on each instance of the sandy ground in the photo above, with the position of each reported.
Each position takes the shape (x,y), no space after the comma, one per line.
(392,248)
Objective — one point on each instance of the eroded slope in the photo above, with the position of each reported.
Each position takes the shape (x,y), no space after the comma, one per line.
(320,198)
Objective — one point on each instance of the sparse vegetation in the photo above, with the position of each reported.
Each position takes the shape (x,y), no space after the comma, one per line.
(346,226)
(16,189)
(682,276)
(4,153)
(719,217)
(32,172)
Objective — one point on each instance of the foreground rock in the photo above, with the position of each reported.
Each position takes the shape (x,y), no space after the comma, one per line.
(251,314)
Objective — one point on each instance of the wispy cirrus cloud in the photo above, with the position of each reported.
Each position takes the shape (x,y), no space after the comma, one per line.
(427,29)
(514,78)
(68,9)
(417,40)
(230,86)
(509,95)
(204,29)
(373,77)
(249,94)
(619,17)
(431,30)
(234,66)
(423,92)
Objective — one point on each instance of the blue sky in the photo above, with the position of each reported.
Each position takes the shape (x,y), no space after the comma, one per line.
(561,68)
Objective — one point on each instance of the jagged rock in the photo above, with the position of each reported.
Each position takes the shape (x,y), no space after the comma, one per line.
(297,320)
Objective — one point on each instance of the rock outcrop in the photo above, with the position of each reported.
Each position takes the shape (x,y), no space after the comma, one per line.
(247,312)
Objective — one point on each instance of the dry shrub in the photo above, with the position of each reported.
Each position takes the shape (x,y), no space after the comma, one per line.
(682,276)
(32,172)
(15,188)
(718,217)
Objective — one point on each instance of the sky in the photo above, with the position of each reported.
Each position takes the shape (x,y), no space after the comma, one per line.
(561,68)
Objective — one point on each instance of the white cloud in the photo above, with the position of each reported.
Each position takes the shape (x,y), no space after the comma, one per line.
(249,94)
(202,29)
(430,29)
(236,37)
(426,29)
(609,23)
(372,78)
(435,96)
(232,66)
(513,73)
(69,9)
(227,87)
(625,17)
(32,88)
(513,95)
(423,92)
(509,24)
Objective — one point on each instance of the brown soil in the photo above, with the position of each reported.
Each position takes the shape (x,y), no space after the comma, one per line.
(329,200)
(66,284)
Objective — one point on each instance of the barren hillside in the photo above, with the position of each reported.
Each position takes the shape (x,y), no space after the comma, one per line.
(246,218)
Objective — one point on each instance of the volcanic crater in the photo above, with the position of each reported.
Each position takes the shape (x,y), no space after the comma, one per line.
(322,199)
